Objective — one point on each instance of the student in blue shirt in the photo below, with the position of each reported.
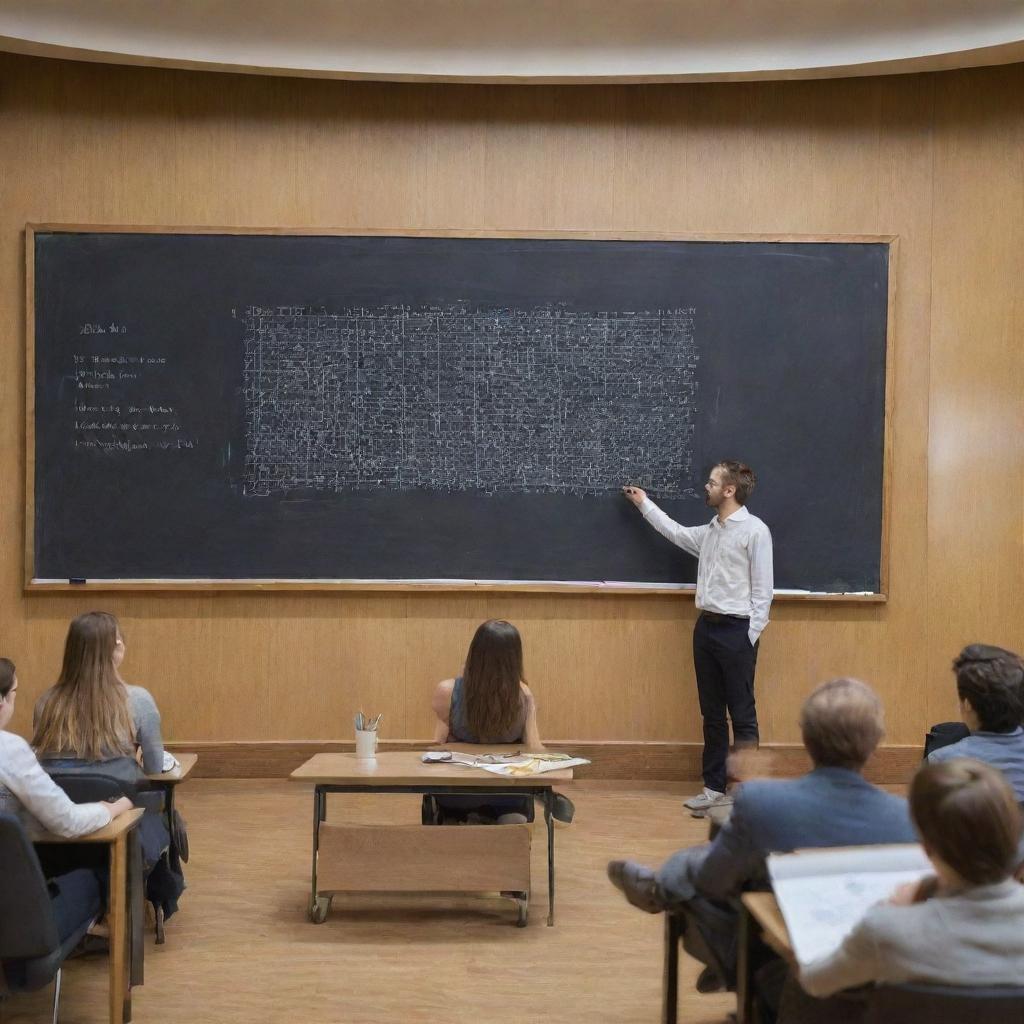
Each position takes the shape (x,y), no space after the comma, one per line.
(990,685)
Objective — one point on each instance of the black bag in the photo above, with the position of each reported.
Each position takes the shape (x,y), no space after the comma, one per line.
(944,734)
(166,882)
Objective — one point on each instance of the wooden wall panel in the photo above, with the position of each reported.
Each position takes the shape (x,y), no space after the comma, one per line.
(976,421)
(934,159)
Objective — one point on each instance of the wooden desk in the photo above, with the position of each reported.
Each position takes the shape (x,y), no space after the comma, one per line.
(169,782)
(404,772)
(115,835)
(186,762)
(760,912)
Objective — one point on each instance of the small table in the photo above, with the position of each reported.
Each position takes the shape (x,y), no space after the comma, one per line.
(115,835)
(168,781)
(404,772)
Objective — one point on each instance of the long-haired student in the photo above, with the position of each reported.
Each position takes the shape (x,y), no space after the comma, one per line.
(91,721)
(91,714)
(489,703)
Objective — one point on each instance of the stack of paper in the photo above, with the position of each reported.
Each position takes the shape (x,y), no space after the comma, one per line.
(824,893)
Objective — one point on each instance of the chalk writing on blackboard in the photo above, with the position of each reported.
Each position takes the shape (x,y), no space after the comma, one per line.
(114,410)
(451,398)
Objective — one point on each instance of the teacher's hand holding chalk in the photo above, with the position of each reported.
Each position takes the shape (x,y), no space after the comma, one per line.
(635,494)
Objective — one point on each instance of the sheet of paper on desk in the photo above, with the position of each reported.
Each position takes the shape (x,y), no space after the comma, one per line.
(824,893)
(505,764)
(533,766)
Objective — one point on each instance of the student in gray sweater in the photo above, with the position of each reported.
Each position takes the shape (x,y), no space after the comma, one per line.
(964,926)
(91,714)
(90,720)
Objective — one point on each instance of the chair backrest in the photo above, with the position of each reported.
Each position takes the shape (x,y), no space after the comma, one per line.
(27,928)
(93,784)
(944,734)
(945,1004)
(90,787)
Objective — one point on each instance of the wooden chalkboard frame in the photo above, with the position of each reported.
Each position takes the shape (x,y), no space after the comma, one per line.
(33,584)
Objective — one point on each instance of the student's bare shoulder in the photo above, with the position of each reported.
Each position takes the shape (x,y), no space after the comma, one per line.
(442,698)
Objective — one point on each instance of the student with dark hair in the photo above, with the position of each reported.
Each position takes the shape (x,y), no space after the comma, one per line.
(964,926)
(489,703)
(734,592)
(990,686)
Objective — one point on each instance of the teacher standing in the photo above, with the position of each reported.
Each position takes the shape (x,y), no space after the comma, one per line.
(734,593)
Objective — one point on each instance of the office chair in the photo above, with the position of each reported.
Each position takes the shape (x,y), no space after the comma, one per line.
(31,950)
(945,1004)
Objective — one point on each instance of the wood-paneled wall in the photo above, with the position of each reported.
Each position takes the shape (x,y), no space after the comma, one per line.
(935,159)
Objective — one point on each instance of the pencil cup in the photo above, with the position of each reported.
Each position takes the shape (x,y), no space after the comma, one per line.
(366,744)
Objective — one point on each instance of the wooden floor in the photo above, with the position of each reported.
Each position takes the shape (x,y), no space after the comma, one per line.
(241,949)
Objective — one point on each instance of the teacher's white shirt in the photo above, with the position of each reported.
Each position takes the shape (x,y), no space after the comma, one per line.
(734,562)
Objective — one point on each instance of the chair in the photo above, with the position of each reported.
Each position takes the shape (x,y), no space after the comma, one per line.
(945,1004)
(31,950)
(90,787)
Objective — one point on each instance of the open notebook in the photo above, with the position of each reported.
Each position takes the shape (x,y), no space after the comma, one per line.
(824,893)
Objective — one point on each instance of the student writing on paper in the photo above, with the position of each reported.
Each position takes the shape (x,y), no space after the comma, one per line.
(489,703)
(965,926)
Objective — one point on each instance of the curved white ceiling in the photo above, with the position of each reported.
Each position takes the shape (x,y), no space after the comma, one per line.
(525,40)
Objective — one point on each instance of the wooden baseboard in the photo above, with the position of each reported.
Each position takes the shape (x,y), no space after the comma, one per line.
(612,759)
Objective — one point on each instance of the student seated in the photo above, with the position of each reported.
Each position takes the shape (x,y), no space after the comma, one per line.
(90,721)
(27,791)
(833,805)
(990,685)
(964,926)
(488,704)
(91,714)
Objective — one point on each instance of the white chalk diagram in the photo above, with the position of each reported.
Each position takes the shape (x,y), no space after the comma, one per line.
(540,400)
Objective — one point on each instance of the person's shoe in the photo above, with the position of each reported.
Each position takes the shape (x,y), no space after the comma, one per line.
(709,981)
(512,818)
(638,884)
(706,799)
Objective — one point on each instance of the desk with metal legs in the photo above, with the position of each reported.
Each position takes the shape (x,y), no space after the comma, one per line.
(500,846)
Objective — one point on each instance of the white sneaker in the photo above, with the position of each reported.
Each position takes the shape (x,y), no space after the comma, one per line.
(709,798)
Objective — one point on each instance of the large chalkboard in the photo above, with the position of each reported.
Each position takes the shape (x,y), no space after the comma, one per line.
(385,407)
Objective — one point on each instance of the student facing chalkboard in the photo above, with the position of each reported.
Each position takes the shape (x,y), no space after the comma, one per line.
(489,703)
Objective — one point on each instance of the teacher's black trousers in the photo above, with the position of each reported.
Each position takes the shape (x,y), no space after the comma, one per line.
(724,661)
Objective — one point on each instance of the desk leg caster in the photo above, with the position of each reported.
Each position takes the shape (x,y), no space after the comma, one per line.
(318,908)
(523,906)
